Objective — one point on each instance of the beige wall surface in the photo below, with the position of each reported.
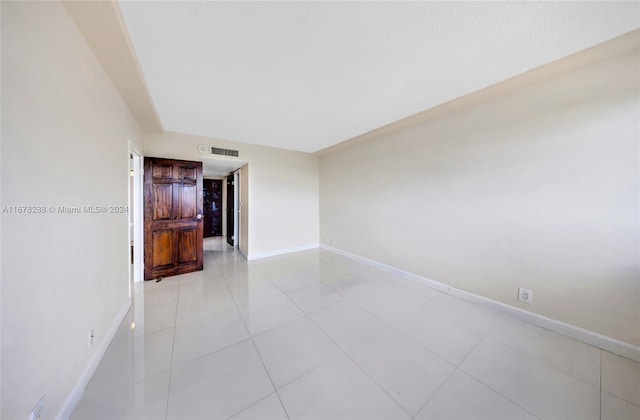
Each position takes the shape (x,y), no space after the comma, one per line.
(533,184)
(283,210)
(65,134)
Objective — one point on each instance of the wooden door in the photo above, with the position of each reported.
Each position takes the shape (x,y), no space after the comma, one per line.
(212,191)
(172,217)
(230,210)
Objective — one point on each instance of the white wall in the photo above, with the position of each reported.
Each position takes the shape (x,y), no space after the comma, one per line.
(532,183)
(282,189)
(65,133)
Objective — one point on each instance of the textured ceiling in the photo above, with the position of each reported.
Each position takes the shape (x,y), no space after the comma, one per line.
(307,75)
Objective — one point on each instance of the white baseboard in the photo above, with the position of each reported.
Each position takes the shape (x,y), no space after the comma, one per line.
(259,255)
(588,337)
(422,280)
(78,390)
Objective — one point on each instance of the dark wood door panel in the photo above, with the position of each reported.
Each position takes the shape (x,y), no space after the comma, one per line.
(187,201)
(188,246)
(173,217)
(163,242)
(162,171)
(162,201)
(188,172)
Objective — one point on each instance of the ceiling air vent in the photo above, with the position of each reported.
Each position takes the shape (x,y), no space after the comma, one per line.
(224,152)
(218,151)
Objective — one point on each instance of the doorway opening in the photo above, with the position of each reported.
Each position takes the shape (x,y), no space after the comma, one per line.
(232,202)
(238,207)
(212,203)
(136,227)
(233,209)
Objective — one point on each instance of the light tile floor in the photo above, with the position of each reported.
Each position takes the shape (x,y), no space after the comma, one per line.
(314,335)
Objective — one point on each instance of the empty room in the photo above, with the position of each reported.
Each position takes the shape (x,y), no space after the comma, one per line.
(320,210)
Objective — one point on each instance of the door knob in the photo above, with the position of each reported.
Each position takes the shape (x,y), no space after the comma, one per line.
(199,216)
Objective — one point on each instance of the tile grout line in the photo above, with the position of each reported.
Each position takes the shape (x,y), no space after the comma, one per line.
(210,316)
(339,347)
(376,382)
(485,336)
(389,326)
(275,390)
(343,351)
(456,367)
(175,324)
(254,404)
(540,360)
(308,317)
(623,399)
(173,346)
(601,390)
(305,316)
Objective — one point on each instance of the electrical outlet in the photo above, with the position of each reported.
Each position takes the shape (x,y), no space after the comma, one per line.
(525,295)
(92,336)
(38,411)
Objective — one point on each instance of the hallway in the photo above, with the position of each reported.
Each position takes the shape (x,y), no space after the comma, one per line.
(316,335)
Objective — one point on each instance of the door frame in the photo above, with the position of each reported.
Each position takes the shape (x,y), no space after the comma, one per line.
(232,236)
(237,209)
(136,218)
